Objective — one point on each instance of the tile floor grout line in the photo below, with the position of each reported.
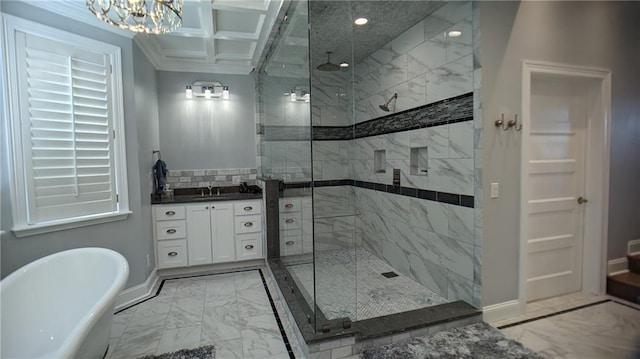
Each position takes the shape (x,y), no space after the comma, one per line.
(277,317)
(624,304)
(553,314)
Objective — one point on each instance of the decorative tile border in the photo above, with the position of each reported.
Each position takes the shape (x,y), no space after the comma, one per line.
(443,197)
(452,110)
(215,178)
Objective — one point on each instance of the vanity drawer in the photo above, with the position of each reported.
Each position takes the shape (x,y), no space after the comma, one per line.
(291,244)
(171,230)
(290,221)
(290,205)
(248,224)
(247,207)
(248,246)
(167,213)
(172,253)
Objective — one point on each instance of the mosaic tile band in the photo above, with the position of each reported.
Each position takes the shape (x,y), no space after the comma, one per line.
(452,110)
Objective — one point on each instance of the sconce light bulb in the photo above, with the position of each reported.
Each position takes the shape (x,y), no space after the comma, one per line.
(207,92)
(225,92)
(306,97)
(294,97)
(189,92)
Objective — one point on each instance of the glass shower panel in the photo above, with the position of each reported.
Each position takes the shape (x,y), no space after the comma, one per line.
(285,151)
(334,213)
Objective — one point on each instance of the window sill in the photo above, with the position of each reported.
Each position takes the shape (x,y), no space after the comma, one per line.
(31,230)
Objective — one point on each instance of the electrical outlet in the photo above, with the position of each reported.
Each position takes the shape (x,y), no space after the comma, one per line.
(148,261)
(495,190)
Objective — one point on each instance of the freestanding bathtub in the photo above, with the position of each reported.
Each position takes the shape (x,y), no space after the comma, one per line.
(61,306)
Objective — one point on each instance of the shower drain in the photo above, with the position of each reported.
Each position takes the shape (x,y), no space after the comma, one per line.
(389,274)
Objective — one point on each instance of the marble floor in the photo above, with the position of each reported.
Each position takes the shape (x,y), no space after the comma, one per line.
(231,311)
(349,283)
(607,330)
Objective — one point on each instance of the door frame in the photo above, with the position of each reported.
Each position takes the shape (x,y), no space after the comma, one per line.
(597,141)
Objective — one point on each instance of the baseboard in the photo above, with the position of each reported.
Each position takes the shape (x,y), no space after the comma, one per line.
(633,247)
(138,293)
(617,266)
(504,310)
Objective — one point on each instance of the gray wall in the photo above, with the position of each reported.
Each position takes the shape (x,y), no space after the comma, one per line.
(146,102)
(585,33)
(201,134)
(131,237)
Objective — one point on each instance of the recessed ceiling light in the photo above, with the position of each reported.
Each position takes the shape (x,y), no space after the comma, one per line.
(361,21)
(455,33)
(344,65)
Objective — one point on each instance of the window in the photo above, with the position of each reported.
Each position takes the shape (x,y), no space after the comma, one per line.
(66,129)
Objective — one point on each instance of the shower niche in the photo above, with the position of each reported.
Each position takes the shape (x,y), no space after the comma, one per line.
(419,161)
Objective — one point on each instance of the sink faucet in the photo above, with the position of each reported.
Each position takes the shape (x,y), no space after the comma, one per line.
(210,187)
(218,191)
(201,192)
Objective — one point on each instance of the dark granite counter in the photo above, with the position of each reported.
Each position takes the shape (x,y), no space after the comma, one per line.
(196,195)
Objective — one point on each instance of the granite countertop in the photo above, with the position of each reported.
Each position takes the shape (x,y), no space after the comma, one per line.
(194,195)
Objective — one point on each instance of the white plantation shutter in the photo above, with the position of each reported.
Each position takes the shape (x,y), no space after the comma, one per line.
(65,102)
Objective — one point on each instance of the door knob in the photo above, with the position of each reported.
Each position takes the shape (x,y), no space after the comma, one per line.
(582,200)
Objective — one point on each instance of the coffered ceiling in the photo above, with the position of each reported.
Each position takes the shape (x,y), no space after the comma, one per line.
(219,36)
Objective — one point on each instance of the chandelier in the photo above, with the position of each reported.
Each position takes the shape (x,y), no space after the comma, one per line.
(148,16)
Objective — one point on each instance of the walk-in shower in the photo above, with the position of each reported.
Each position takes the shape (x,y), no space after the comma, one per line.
(375,207)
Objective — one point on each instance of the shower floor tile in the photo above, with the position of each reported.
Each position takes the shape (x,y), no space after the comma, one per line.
(350,283)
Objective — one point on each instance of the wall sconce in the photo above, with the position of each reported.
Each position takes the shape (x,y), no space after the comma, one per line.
(207,90)
(299,94)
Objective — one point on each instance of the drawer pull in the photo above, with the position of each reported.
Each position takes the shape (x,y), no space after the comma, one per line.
(171,231)
(289,243)
(249,246)
(170,213)
(248,208)
(173,254)
(288,205)
(248,224)
(288,221)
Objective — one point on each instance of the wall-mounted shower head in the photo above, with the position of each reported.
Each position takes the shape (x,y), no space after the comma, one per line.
(385,106)
(329,66)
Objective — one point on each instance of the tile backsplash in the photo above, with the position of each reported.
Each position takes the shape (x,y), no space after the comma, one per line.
(215,178)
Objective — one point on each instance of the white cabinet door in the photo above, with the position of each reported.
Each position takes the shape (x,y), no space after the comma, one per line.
(222,232)
(199,234)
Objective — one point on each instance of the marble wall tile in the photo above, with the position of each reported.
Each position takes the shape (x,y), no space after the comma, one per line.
(454,11)
(334,170)
(456,256)
(331,116)
(396,145)
(436,139)
(461,46)
(325,96)
(461,223)
(429,274)
(429,215)
(452,175)
(326,151)
(408,39)
(426,57)
(396,257)
(363,148)
(459,288)
(461,140)
(411,94)
(393,206)
(450,80)
(387,76)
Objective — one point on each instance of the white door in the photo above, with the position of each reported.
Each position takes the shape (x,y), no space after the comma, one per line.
(555,180)
(199,234)
(223,238)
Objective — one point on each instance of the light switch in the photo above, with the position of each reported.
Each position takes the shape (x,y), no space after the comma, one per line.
(495,190)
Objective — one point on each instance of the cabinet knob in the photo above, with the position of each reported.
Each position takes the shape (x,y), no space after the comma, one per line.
(171,231)
(248,224)
(173,254)
(169,213)
(289,243)
(206,207)
(249,246)
(248,208)
(288,205)
(288,221)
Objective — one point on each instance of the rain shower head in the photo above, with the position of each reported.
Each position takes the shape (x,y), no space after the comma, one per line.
(385,106)
(329,66)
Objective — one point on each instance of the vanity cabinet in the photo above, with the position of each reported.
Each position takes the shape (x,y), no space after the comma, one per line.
(211,238)
(204,233)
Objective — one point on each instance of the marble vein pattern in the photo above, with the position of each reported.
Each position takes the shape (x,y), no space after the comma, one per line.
(362,292)
(230,311)
(608,330)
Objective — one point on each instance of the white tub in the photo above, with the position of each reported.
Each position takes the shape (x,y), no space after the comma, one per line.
(61,306)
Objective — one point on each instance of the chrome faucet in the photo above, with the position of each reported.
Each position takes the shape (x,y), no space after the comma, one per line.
(210,187)
(218,191)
